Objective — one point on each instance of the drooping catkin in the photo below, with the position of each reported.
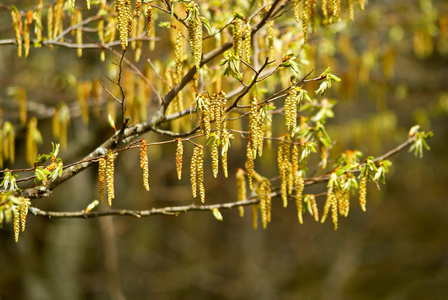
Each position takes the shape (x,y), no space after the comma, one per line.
(16,214)
(194,171)
(50,22)
(58,15)
(270,41)
(265,202)
(291,107)
(238,39)
(296,8)
(38,23)
(305,18)
(363,192)
(101,181)
(247,43)
(144,163)
(110,177)
(179,156)
(123,10)
(313,204)
(241,189)
(195,35)
(200,165)
(148,20)
(17,26)
(249,165)
(26,32)
(78,19)
(215,158)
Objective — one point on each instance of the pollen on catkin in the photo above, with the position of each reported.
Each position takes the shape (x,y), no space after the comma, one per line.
(215,158)
(238,39)
(101,181)
(363,192)
(110,177)
(305,18)
(17,26)
(148,20)
(78,19)
(194,170)
(38,23)
(144,163)
(195,35)
(179,155)
(241,189)
(265,202)
(122,8)
(200,166)
(247,43)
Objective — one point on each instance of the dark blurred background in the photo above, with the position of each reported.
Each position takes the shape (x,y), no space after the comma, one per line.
(393,61)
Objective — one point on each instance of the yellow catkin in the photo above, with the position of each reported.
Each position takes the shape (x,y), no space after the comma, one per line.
(26,33)
(144,163)
(50,22)
(138,7)
(16,214)
(363,192)
(297,10)
(200,165)
(195,36)
(285,168)
(351,9)
(37,24)
(122,8)
(101,181)
(33,137)
(247,42)
(58,16)
(78,19)
(249,165)
(215,158)
(148,20)
(83,93)
(9,136)
(300,184)
(23,210)
(224,163)
(88,4)
(17,26)
(241,189)
(110,177)
(238,39)
(265,202)
(305,18)
(313,205)
(194,171)
(361,4)
(325,9)
(256,134)
(254,209)
(178,56)
(291,106)
(334,211)
(179,156)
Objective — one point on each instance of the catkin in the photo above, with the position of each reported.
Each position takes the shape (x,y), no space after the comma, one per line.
(78,19)
(38,22)
(101,181)
(50,22)
(247,42)
(179,155)
(17,26)
(122,8)
(241,189)
(193,171)
(238,39)
(305,18)
(148,20)
(26,33)
(200,165)
(195,36)
(144,163)
(110,177)
(16,215)
(291,107)
(215,158)
(270,37)
(363,192)
(351,9)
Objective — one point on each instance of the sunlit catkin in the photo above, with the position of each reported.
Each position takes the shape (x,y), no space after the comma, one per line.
(351,9)
(195,35)
(16,214)
(148,20)
(363,192)
(300,184)
(296,7)
(265,202)
(247,43)
(38,23)
(78,19)
(270,41)
(26,32)
(194,171)
(122,8)
(50,23)
(110,177)
(241,189)
(58,16)
(200,165)
(144,163)
(312,200)
(334,211)
(305,18)
(361,4)
(101,181)
(215,158)
(291,106)
(238,39)
(17,26)
(249,165)
(179,155)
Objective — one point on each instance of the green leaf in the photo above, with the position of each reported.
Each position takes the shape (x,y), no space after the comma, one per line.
(217,214)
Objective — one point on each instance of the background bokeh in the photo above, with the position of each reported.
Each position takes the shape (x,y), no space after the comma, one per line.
(393,61)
